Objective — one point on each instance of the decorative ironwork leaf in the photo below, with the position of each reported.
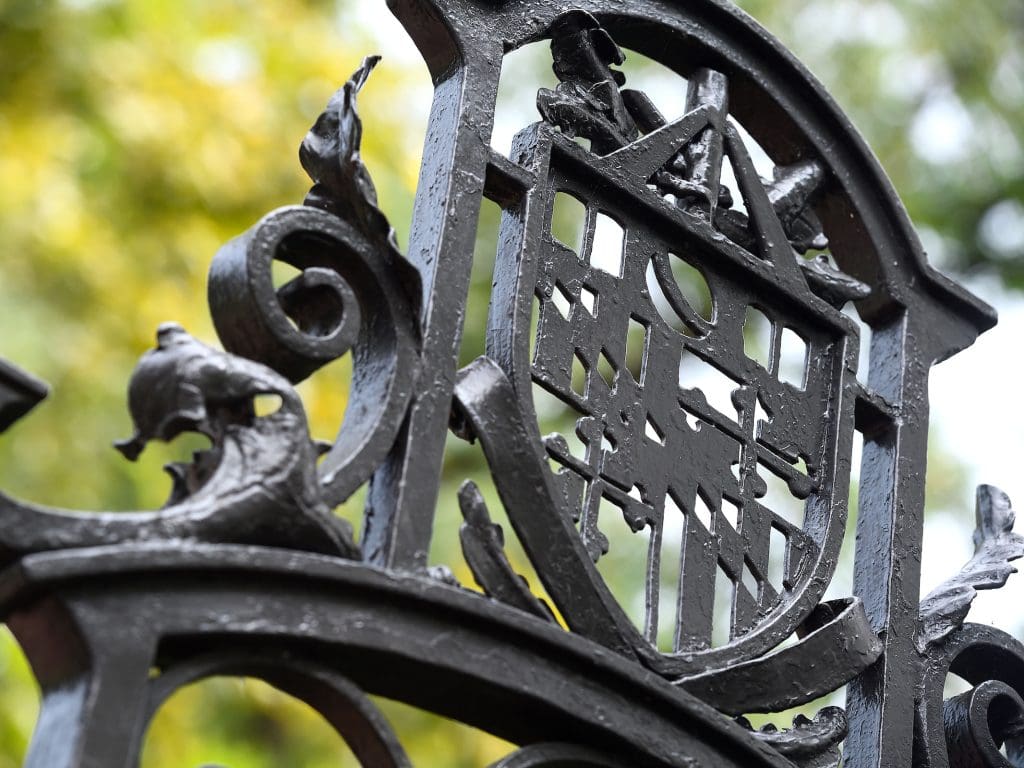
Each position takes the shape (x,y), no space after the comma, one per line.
(483,546)
(995,544)
(330,156)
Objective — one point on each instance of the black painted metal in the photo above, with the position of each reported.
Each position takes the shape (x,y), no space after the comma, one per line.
(247,555)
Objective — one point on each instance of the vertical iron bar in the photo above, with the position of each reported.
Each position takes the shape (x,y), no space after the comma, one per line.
(403,493)
(887,569)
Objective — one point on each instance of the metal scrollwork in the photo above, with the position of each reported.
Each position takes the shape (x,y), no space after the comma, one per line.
(985,725)
(248,571)
(260,482)
(355,292)
(972,728)
(257,483)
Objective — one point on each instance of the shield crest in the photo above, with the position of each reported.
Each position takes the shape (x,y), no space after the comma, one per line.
(679,423)
(605,329)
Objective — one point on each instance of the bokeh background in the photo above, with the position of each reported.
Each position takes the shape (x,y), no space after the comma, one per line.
(136,137)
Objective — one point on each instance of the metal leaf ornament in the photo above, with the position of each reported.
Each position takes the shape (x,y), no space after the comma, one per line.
(330,156)
(483,546)
(944,610)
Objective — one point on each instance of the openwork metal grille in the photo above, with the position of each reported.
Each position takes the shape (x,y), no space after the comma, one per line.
(694,324)
(653,440)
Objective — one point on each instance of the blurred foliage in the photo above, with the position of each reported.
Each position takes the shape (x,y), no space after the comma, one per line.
(136,137)
(937,88)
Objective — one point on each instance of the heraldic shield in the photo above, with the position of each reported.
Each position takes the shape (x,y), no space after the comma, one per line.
(701,325)
(612,327)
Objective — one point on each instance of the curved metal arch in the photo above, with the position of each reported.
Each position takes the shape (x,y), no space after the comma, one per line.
(401,636)
(341,703)
(777,100)
(375,289)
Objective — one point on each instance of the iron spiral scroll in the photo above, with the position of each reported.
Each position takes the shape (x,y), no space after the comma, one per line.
(246,570)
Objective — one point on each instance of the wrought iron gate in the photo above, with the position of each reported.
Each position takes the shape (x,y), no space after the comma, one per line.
(246,571)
